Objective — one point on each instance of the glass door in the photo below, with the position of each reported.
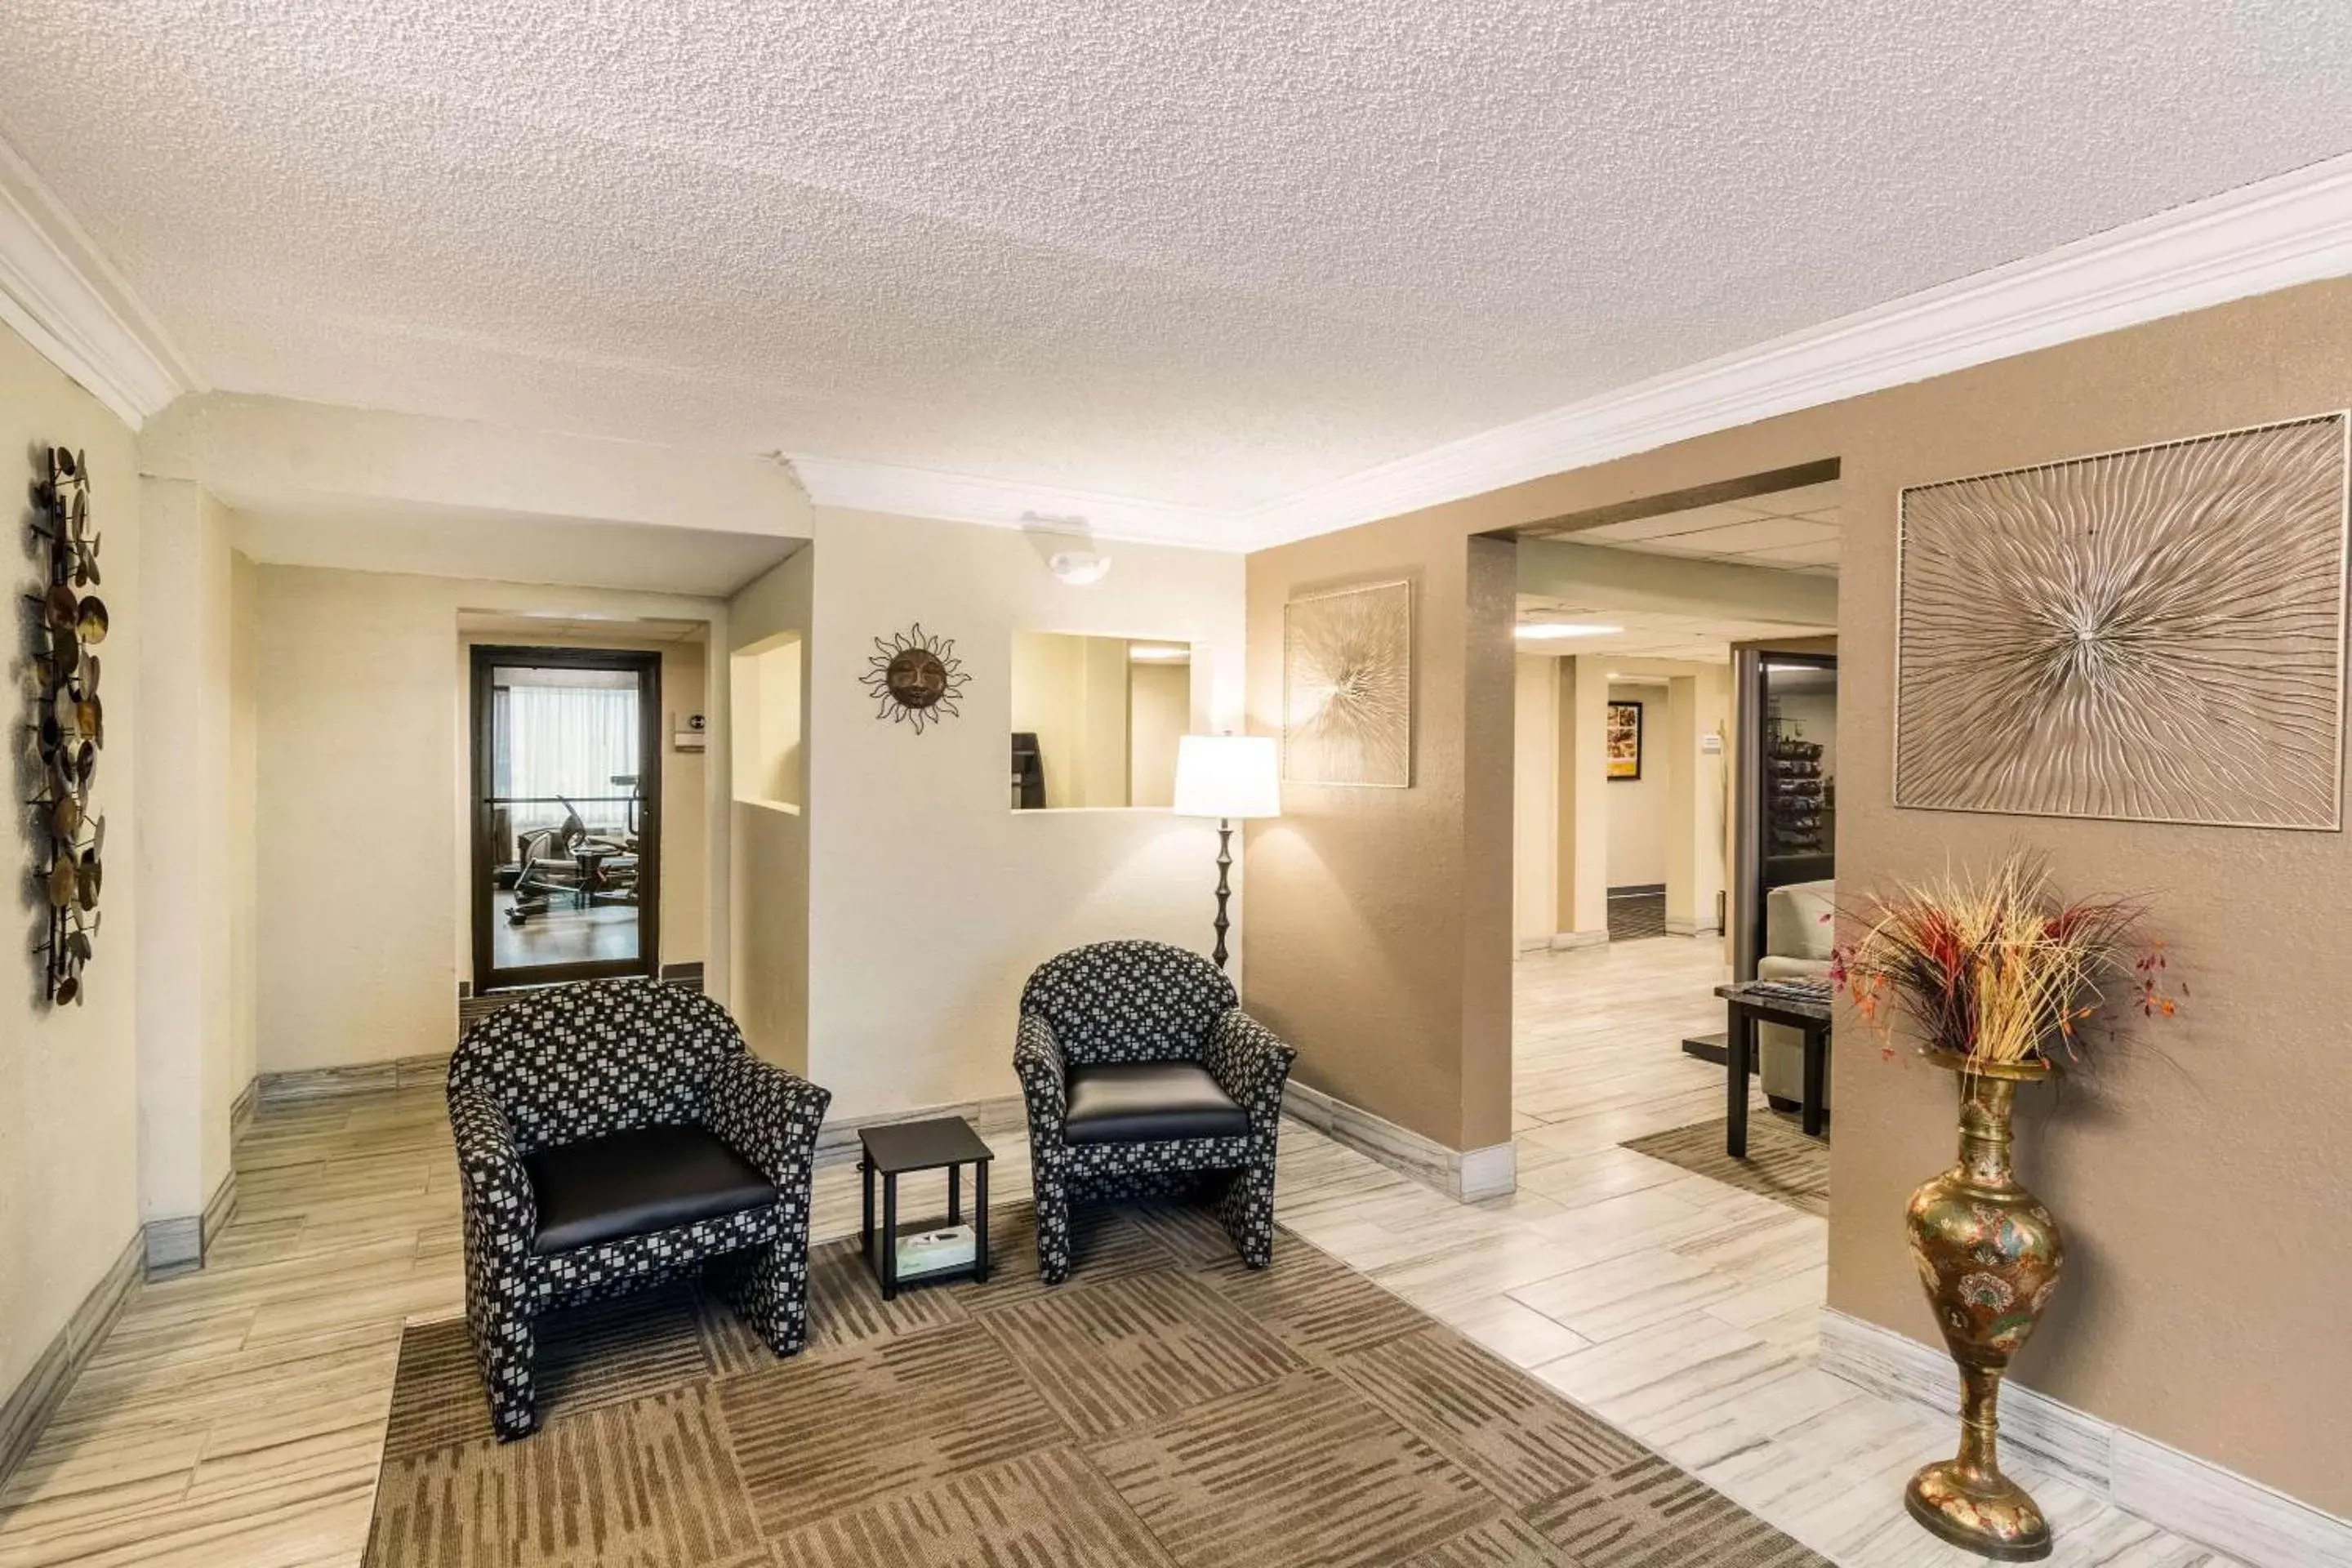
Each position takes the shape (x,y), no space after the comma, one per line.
(567,802)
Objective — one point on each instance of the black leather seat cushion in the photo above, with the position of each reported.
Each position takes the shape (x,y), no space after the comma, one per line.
(1139,1102)
(634,1183)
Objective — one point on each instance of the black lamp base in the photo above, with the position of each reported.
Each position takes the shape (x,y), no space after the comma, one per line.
(1224,888)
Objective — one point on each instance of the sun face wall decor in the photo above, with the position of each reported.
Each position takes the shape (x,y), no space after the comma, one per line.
(915,679)
(2154,635)
(1347,701)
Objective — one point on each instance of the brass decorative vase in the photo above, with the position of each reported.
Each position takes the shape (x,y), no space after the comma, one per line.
(1988,1254)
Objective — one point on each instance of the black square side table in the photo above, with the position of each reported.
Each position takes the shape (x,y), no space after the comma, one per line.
(896,1148)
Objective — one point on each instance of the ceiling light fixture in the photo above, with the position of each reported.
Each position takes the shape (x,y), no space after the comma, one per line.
(1548,631)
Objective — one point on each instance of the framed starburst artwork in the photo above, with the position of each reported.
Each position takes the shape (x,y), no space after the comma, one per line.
(2154,635)
(1347,687)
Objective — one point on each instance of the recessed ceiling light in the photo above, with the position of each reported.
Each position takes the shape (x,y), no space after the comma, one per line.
(1548,631)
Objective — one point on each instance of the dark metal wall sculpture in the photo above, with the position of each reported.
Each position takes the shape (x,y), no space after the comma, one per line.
(68,723)
(915,679)
(2154,635)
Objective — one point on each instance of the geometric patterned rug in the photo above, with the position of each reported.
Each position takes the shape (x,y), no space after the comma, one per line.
(1166,1407)
(1782,1163)
(1632,916)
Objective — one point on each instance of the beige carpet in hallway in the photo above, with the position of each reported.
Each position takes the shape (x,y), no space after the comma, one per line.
(1165,1407)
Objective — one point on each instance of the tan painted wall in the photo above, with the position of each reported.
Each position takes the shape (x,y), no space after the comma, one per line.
(2204,1188)
(361,738)
(1388,960)
(68,1110)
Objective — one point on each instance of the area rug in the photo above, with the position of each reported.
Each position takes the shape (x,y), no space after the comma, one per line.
(1165,1406)
(1633,916)
(1782,1163)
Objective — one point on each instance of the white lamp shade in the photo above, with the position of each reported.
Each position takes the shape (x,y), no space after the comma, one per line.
(1228,776)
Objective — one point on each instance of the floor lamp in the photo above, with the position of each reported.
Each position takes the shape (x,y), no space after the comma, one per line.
(1227,777)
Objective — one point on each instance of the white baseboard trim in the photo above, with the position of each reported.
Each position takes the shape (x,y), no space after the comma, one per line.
(1467,1175)
(28,1405)
(1567,941)
(2195,1498)
(361,1077)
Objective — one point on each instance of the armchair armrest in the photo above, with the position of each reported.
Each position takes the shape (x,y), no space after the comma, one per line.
(1045,1080)
(1251,1063)
(767,1115)
(501,1212)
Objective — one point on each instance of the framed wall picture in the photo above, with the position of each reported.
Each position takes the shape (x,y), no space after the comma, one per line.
(1347,687)
(2154,635)
(1622,741)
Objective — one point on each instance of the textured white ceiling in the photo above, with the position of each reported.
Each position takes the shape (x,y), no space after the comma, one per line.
(1198,251)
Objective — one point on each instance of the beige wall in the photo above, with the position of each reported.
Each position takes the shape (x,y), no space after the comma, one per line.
(1160,710)
(1388,960)
(2201,1180)
(68,1110)
(1639,809)
(1535,791)
(193,838)
(933,898)
(360,741)
(767,881)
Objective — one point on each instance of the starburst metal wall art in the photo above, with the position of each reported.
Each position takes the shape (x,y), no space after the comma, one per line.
(2154,635)
(915,679)
(1346,666)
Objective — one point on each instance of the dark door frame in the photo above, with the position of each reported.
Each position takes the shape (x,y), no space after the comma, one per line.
(1747,889)
(648,666)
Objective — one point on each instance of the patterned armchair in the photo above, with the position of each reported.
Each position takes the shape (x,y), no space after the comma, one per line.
(611,1136)
(1144,1077)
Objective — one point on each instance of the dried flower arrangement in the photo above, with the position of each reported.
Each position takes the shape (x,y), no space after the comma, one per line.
(1996,968)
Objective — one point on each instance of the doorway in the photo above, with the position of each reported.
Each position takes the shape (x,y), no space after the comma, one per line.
(566,791)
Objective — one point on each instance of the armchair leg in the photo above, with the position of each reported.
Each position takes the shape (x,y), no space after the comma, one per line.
(505,1344)
(1247,1211)
(768,1288)
(1052,1197)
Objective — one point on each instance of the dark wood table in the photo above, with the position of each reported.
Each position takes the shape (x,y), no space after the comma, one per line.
(1756,1002)
(896,1148)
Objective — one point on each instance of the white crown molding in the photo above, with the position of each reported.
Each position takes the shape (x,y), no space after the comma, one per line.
(2294,228)
(60,295)
(999,503)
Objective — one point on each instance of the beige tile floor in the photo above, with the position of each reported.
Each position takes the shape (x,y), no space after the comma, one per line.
(234,1416)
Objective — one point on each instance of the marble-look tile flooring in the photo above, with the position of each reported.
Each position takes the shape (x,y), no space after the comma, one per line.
(234,1416)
